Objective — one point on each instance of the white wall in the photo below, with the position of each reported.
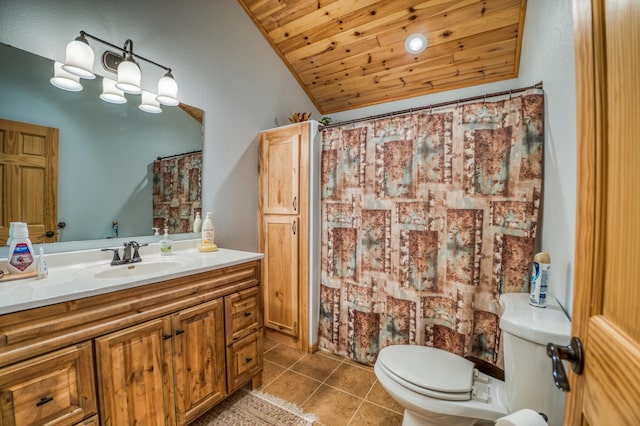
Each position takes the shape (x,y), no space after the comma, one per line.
(547,56)
(222,64)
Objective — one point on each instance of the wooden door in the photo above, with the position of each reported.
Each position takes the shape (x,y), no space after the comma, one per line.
(606,314)
(28,179)
(279,171)
(280,273)
(198,359)
(134,375)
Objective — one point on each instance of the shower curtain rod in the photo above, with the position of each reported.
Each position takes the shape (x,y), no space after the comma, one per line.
(438,105)
(179,155)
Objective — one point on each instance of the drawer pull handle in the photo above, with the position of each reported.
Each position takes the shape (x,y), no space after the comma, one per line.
(44,400)
(166,336)
(248,360)
(179,332)
(247,314)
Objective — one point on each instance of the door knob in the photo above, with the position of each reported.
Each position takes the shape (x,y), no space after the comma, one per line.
(572,353)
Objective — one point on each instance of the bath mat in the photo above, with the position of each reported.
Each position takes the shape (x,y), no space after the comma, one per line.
(254,408)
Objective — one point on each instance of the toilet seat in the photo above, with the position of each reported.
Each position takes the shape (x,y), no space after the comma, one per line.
(441,375)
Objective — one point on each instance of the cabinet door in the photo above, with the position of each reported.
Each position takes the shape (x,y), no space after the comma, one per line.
(198,356)
(53,389)
(280,278)
(279,171)
(134,376)
(244,360)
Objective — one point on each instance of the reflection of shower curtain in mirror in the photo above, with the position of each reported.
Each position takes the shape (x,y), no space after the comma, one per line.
(177,191)
(426,219)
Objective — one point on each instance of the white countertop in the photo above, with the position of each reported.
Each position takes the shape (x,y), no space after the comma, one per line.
(75,275)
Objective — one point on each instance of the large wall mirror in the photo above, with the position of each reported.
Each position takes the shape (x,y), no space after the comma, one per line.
(105,151)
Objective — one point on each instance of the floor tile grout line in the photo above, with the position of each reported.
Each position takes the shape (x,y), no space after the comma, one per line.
(323,382)
(362,401)
(341,360)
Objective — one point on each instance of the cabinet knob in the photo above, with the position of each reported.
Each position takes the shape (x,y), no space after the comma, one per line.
(247,314)
(248,360)
(178,332)
(44,400)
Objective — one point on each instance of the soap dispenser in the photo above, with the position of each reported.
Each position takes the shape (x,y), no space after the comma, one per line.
(165,243)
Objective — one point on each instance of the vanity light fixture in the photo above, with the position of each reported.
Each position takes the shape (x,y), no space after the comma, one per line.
(65,80)
(80,57)
(79,62)
(415,43)
(110,93)
(149,103)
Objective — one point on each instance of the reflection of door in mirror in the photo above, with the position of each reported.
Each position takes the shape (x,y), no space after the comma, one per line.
(29,179)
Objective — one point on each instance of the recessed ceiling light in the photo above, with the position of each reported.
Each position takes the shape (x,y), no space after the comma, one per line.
(415,43)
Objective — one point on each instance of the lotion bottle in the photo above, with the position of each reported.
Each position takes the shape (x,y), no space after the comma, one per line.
(21,255)
(165,243)
(208,235)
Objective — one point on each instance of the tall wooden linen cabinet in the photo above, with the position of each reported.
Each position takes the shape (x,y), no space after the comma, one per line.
(288,203)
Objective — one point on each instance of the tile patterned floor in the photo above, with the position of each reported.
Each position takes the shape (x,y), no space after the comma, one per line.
(337,390)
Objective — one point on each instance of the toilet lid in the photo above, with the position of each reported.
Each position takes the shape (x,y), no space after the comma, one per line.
(429,371)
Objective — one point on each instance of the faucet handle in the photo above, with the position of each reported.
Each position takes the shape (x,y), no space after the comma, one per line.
(136,246)
(116,255)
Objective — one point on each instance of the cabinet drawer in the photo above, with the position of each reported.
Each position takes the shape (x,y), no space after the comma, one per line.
(54,389)
(92,421)
(244,360)
(242,311)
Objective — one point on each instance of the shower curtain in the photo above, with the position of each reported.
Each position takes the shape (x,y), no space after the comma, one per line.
(177,192)
(426,219)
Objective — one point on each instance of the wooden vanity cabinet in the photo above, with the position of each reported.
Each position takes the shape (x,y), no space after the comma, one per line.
(53,389)
(165,353)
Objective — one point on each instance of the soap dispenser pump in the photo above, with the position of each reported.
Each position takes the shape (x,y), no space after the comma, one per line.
(165,243)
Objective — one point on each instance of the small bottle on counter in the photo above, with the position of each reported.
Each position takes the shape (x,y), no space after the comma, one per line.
(43,270)
(197,223)
(166,243)
(21,255)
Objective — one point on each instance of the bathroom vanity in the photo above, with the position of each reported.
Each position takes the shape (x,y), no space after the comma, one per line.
(96,344)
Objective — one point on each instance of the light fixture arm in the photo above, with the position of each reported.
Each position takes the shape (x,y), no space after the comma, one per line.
(124,50)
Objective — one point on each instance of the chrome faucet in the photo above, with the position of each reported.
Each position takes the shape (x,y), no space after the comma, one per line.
(130,253)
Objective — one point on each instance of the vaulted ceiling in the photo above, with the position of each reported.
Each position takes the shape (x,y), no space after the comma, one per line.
(348,54)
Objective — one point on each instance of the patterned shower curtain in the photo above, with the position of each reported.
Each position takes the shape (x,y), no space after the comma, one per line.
(177,192)
(426,219)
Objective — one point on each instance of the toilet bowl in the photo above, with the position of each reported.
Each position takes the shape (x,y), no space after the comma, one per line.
(436,387)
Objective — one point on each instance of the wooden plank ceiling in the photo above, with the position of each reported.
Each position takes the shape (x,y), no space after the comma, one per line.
(348,54)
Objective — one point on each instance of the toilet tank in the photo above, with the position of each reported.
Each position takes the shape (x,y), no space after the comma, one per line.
(526,330)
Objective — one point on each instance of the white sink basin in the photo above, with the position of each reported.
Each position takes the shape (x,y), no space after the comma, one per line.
(146,267)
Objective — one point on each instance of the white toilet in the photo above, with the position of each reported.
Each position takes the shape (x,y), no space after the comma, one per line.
(436,387)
